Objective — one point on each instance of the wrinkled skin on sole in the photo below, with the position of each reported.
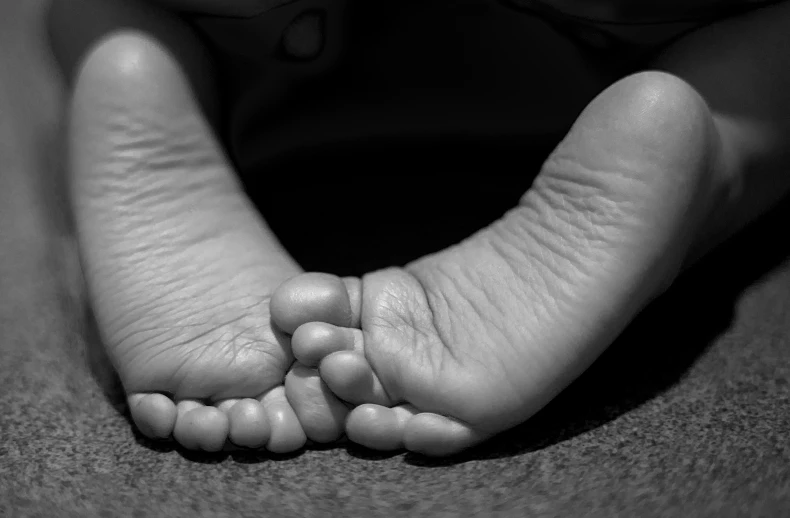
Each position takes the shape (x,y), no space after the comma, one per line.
(468,342)
(180,266)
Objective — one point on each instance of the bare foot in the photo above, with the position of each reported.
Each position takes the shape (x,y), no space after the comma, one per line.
(179,265)
(466,343)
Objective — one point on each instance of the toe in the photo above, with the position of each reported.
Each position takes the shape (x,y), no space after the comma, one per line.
(314,341)
(154,414)
(311,297)
(249,426)
(354,289)
(352,379)
(320,413)
(200,427)
(227,404)
(287,434)
(378,427)
(438,436)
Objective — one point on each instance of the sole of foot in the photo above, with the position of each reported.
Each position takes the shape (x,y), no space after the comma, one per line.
(179,265)
(458,346)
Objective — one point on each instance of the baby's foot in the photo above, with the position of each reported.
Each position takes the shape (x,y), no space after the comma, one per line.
(471,341)
(179,265)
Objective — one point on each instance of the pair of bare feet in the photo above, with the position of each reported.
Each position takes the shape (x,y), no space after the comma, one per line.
(218,337)
(439,355)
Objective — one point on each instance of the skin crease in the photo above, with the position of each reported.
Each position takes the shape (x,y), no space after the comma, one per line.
(732,131)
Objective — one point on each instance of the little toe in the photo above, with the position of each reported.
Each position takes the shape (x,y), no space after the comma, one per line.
(200,427)
(311,297)
(320,413)
(287,434)
(379,427)
(313,341)
(436,435)
(352,379)
(249,426)
(154,414)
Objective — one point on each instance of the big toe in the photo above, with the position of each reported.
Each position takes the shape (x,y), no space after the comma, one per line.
(287,434)
(314,297)
(321,415)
